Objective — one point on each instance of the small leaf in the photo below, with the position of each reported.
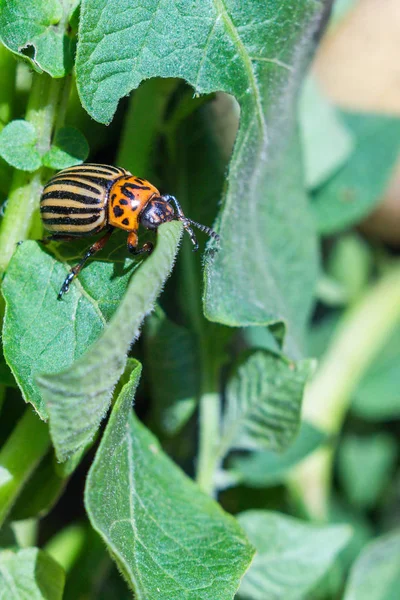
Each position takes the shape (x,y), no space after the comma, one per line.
(172,372)
(291,555)
(325,139)
(168,538)
(355,190)
(30,573)
(263,403)
(18,145)
(68,148)
(264,469)
(78,397)
(376,573)
(366,465)
(36,31)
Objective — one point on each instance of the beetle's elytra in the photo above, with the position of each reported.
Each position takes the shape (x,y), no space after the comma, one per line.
(89,198)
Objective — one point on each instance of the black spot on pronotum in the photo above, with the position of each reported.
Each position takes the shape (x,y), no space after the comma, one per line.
(125,222)
(118,212)
(123,202)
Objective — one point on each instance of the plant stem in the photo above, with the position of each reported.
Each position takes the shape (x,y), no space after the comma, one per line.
(25,187)
(19,456)
(362,333)
(142,125)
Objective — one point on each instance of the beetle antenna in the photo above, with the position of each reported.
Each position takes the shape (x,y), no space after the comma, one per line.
(187,222)
(210,232)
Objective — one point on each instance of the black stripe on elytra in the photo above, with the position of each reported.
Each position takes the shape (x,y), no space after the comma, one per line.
(71,221)
(64,195)
(79,184)
(104,182)
(89,168)
(67,210)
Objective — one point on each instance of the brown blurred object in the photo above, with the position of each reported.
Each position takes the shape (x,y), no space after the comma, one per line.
(358,67)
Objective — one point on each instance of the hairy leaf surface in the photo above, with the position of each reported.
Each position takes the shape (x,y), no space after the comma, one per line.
(169,539)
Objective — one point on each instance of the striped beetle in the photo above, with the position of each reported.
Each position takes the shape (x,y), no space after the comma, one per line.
(86,199)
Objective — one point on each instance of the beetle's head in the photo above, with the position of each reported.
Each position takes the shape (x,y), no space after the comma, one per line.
(166,208)
(156,212)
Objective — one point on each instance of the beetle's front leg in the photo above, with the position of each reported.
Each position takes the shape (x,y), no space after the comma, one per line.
(147,248)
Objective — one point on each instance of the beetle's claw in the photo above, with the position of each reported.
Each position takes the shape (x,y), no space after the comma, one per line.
(65,286)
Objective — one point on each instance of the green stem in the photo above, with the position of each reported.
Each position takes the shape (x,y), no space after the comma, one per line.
(19,456)
(209,398)
(25,187)
(143,124)
(66,546)
(360,336)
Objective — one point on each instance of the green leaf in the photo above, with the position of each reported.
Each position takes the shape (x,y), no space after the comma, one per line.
(366,465)
(291,555)
(325,140)
(376,573)
(265,469)
(377,397)
(263,403)
(37,31)
(78,398)
(168,538)
(355,190)
(121,44)
(172,372)
(44,335)
(18,145)
(30,574)
(69,148)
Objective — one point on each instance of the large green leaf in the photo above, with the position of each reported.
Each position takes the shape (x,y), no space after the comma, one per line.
(291,557)
(30,574)
(37,30)
(76,393)
(168,538)
(257,53)
(376,573)
(263,403)
(354,190)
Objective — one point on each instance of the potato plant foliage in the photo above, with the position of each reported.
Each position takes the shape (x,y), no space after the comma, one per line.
(200,426)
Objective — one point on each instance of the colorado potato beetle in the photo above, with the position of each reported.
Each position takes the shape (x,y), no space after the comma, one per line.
(86,199)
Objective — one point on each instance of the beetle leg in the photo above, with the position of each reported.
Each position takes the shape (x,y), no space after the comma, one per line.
(147,248)
(58,237)
(90,252)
